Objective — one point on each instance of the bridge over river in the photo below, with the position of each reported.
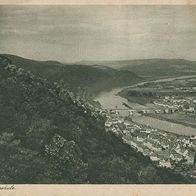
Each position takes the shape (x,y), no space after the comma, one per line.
(109,101)
(130,111)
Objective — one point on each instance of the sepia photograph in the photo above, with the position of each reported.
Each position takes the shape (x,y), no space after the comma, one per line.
(97,94)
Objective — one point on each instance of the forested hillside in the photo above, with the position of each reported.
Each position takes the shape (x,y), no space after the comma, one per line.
(154,68)
(78,77)
(48,137)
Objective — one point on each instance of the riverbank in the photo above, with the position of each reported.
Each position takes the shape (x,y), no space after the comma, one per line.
(113,100)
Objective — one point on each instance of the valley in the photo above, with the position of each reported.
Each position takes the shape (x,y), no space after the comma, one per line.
(59,119)
(147,114)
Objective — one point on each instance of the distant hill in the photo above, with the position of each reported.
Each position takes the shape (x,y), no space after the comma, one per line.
(46,136)
(154,67)
(77,76)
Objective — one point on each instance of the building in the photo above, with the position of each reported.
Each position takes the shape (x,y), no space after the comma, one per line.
(165,163)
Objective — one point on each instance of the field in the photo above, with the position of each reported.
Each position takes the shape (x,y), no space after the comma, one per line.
(181,118)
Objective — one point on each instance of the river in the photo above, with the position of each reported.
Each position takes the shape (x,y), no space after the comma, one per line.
(111,100)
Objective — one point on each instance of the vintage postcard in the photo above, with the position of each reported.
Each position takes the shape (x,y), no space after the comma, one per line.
(98,98)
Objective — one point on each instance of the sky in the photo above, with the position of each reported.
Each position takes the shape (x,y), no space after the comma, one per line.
(90,33)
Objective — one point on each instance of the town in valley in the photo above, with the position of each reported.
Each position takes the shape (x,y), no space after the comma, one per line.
(169,102)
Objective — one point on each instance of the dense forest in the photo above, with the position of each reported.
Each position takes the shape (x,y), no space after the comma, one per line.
(46,136)
(78,78)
